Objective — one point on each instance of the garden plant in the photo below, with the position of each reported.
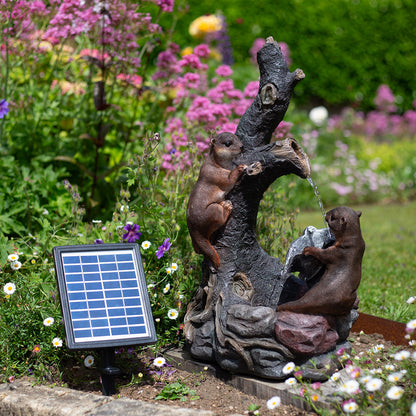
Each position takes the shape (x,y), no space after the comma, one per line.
(103,124)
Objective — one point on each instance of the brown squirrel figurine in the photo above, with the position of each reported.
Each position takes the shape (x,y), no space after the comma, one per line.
(336,292)
(208,210)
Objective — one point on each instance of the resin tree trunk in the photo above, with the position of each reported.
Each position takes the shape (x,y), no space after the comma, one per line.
(231,319)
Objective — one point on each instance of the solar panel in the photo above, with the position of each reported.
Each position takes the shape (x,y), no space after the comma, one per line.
(104,295)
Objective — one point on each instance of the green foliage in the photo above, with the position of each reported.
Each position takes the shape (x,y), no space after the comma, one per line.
(346,48)
(176,391)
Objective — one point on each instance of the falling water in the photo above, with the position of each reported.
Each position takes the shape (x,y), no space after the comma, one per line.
(318,197)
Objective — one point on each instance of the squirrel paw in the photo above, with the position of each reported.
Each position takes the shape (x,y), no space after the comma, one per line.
(254,169)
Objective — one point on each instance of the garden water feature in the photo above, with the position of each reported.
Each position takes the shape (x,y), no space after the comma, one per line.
(318,198)
(232,318)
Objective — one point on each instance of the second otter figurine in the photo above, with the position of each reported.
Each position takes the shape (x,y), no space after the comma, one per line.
(336,292)
(207,209)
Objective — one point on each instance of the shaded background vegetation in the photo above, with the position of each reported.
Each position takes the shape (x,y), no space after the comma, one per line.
(347,48)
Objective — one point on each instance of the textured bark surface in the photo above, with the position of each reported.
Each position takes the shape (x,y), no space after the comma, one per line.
(232,317)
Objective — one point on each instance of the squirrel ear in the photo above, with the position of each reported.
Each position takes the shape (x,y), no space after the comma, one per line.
(359,213)
(212,141)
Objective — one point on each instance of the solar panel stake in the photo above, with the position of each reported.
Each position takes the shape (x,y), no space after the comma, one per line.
(104,301)
(108,371)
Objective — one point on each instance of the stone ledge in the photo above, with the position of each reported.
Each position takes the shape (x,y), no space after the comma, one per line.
(25,399)
(261,388)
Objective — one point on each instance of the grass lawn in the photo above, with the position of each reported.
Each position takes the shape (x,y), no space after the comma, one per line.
(389,263)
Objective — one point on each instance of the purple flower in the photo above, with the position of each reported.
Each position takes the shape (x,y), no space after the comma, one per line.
(98,241)
(4,108)
(164,247)
(132,233)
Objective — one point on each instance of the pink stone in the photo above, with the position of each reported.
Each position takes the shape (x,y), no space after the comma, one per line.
(305,334)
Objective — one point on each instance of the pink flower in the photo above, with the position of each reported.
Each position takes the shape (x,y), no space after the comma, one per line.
(202,51)
(165,5)
(224,71)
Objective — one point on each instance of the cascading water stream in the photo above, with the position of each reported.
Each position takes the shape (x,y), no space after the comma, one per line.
(319,199)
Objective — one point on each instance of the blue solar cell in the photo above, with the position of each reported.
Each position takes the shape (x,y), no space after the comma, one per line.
(134,311)
(111,285)
(128,284)
(81,324)
(72,269)
(101,332)
(79,314)
(76,296)
(132,302)
(93,286)
(92,277)
(77,305)
(95,295)
(127,275)
(106,267)
(124,257)
(98,313)
(74,287)
(74,278)
(97,323)
(135,320)
(138,330)
(90,268)
(71,259)
(96,304)
(110,276)
(112,293)
(115,303)
(116,312)
(89,259)
(107,258)
(131,293)
(82,333)
(126,266)
(119,330)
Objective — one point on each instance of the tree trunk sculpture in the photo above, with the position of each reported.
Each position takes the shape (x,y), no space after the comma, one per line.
(232,318)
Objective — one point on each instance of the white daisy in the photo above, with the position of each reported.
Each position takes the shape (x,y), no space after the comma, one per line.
(378,348)
(413,409)
(48,321)
(335,376)
(411,324)
(174,267)
(349,387)
(13,257)
(350,406)
(394,393)
(412,299)
(373,384)
(16,265)
(291,381)
(57,342)
(89,361)
(273,402)
(9,288)
(166,288)
(173,313)
(146,244)
(169,270)
(394,377)
(159,362)
(288,368)
(389,367)
(401,355)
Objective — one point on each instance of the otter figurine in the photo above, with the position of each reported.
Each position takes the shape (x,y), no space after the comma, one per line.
(336,292)
(207,209)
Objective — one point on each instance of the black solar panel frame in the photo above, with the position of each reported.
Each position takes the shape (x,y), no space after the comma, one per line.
(71,342)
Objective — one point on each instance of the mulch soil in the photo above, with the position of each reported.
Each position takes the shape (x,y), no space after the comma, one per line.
(209,392)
